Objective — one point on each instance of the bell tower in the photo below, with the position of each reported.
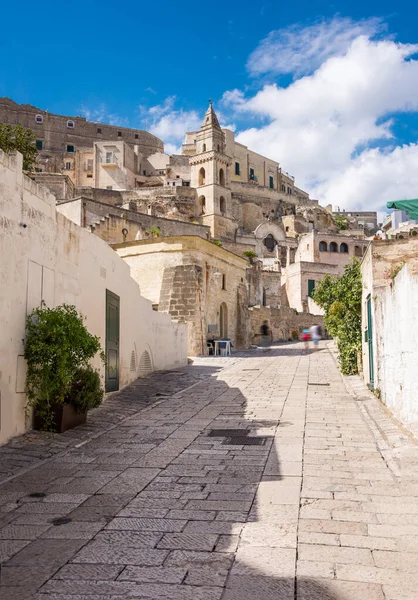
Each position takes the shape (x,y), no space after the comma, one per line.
(210,176)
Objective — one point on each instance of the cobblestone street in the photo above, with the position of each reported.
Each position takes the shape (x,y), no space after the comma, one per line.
(148,500)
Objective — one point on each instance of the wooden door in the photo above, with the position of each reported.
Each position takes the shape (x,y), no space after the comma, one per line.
(112,341)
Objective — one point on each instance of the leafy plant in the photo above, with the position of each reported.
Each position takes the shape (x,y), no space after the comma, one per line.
(16,137)
(393,271)
(217,242)
(341,222)
(340,297)
(85,391)
(153,232)
(57,346)
(250,254)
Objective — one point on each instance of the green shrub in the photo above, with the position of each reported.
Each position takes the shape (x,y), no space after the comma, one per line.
(250,254)
(216,242)
(340,297)
(85,391)
(57,346)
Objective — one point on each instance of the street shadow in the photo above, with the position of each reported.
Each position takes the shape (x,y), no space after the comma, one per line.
(164,461)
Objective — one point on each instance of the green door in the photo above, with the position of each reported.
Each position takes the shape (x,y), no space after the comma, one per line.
(311,287)
(370,341)
(112,342)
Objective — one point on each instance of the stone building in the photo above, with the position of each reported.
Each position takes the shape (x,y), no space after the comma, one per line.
(47,260)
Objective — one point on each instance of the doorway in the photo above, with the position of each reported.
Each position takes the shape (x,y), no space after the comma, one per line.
(370,342)
(112,341)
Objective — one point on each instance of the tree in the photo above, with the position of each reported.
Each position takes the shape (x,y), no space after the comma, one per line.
(22,139)
(340,297)
(341,222)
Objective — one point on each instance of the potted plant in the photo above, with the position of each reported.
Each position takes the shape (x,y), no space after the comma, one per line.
(61,385)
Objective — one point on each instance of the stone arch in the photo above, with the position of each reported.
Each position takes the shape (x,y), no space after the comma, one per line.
(333,247)
(222,205)
(202,176)
(323,247)
(223,320)
(344,247)
(264,229)
(202,205)
(222,177)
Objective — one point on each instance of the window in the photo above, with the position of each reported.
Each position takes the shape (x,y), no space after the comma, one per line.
(202,205)
(99,130)
(343,248)
(202,175)
(70,148)
(204,147)
(144,172)
(224,281)
(70,124)
(271,182)
(136,136)
(289,191)
(67,166)
(222,177)
(283,187)
(222,205)
(252,174)
(39,144)
(109,158)
(39,119)
(323,247)
(89,164)
(109,187)
(237,171)
(219,148)
(311,287)
(119,134)
(270,243)
(89,175)
(357,251)
(287,228)
(333,247)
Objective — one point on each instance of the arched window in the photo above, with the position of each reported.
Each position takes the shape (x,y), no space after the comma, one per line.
(222,177)
(219,148)
(289,191)
(270,243)
(283,187)
(357,251)
(333,247)
(323,247)
(202,176)
(202,205)
(222,205)
(223,320)
(343,247)
(204,147)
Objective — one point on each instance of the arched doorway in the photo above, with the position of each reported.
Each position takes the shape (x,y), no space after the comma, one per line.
(223,320)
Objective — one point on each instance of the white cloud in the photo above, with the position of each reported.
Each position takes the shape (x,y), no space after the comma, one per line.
(298,49)
(101,114)
(321,127)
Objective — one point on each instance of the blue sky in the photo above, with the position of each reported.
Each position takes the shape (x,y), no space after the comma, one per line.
(137,63)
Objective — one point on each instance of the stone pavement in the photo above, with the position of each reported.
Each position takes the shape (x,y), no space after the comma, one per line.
(157,507)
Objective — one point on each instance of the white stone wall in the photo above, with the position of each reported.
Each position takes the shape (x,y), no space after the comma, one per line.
(54,260)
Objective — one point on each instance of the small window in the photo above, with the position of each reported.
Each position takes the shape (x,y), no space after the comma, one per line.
(323,247)
(289,191)
(344,248)
(39,119)
(251,174)
(311,287)
(89,164)
(136,136)
(70,148)
(109,158)
(39,144)
(70,124)
(144,172)
(287,228)
(204,147)
(224,281)
(271,182)
(109,187)
(89,175)
(222,205)
(67,166)
(283,187)
(333,247)
(119,134)
(99,130)
(237,171)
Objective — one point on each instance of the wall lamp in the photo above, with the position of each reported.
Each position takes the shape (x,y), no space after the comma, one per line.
(124,233)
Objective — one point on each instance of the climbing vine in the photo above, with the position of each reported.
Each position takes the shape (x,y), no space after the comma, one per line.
(340,297)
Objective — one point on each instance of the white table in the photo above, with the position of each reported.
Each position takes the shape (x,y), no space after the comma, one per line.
(223,351)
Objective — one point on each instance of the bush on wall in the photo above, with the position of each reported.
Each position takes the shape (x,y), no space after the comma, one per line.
(340,297)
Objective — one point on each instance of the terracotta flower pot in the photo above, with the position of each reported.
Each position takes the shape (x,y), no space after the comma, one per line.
(64,417)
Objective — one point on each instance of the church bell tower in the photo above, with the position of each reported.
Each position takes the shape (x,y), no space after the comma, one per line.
(210,175)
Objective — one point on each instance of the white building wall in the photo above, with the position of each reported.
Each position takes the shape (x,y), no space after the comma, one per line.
(54,260)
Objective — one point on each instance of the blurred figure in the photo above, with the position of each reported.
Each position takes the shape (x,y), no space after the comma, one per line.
(315,332)
(306,336)
(266,335)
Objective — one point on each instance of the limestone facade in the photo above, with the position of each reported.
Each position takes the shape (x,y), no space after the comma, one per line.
(47,260)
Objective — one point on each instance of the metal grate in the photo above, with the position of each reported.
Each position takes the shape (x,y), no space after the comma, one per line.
(318,383)
(228,432)
(244,441)
(145,364)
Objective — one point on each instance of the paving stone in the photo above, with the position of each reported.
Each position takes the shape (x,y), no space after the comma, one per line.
(265,561)
(154,574)
(73,531)
(30,577)
(142,524)
(322,589)
(188,541)
(46,553)
(89,571)
(259,587)
(22,532)
(192,515)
